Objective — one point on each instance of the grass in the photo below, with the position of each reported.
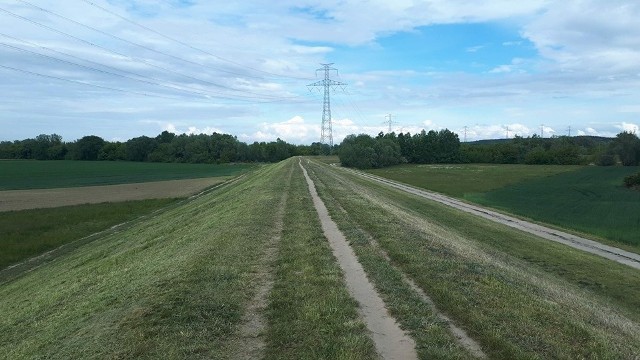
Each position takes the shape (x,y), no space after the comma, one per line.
(311,313)
(590,200)
(33,174)
(27,233)
(459,180)
(171,286)
(176,284)
(518,295)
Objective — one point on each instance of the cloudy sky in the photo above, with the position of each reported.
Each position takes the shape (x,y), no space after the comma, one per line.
(125,68)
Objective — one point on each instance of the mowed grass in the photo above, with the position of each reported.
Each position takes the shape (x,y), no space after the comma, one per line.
(34,174)
(518,295)
(310,313)
(461,179)
(591,200)
(27,233)
(173,285)
(176,285)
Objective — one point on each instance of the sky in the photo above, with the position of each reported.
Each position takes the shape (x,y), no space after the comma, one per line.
(120,69)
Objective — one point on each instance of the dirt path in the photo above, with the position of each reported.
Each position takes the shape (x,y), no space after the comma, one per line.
(390,341)
(593,247)
(48,198)
(250,343)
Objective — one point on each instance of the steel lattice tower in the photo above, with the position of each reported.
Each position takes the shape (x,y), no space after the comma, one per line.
(326,134)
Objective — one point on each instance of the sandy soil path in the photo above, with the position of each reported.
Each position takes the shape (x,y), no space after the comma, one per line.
(48,198)
(390,341)
(609,252)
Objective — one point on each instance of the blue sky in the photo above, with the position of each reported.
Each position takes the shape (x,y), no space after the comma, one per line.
(124,68)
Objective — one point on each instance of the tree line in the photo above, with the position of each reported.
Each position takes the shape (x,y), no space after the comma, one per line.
(364,151)
(166,147)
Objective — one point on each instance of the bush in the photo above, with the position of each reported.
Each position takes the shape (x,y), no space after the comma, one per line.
(606,160)
(632,181)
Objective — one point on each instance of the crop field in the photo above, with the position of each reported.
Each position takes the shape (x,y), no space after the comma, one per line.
(246,271)
(49,198)
(33,174)
(27,233)
(588,200)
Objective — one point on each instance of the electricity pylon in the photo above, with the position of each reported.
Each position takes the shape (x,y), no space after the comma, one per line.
(326,134)
(389,122)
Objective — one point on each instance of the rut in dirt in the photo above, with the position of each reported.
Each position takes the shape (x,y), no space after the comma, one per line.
(390,341)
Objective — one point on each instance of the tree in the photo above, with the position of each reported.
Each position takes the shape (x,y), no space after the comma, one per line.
(138,149)
(627,146)
(88,147)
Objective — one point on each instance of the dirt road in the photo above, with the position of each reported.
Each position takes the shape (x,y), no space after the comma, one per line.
(390,341)
(609,252)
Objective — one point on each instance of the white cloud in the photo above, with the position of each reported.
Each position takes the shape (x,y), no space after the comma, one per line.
(628,127)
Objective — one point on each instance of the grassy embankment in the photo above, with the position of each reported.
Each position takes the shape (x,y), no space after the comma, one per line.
(175,285)
(518,295)
(589,200)
(28,233)
(33,174)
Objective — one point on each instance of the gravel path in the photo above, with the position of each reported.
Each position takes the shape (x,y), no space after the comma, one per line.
(390,341)
(590,246)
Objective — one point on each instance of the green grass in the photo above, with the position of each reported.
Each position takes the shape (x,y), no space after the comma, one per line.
(311,314)
(33,174)
(27,233)
(518,295)
(588,200)
(591,200)
(175,285)
(461,179)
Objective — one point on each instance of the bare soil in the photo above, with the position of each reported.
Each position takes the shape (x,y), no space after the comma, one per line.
(391,342)
(49,198)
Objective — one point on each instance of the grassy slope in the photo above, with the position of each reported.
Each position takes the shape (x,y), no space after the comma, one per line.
(27,233)
(591,200)
(520,296)
(32,174)
(175,285)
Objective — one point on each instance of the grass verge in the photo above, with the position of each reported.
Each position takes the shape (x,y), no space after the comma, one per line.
(519,296)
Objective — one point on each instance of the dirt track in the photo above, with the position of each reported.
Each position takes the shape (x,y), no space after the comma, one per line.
(49,198)
(390,341)
(609,252)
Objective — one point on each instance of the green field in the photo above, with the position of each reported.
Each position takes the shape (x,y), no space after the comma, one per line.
(28,233)
(33,174)
(589,200)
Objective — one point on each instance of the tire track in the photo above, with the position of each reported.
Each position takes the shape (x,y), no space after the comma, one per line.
(576,242)
(250,343)
(390,341)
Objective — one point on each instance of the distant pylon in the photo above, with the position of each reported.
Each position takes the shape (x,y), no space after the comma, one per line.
(389,122)
(326,133)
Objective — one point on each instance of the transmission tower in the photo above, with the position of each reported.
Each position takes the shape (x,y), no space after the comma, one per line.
(389,122)
(326,134)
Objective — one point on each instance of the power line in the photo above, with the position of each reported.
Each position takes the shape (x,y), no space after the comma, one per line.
(127,56)
(188,45)
(85,83)
(139,78)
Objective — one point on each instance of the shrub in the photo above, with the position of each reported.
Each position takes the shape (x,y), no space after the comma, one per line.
(632,181)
